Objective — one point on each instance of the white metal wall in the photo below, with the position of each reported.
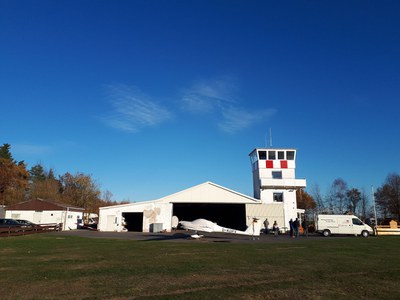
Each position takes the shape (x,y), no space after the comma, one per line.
(68,218)
(272,212)
(110,218)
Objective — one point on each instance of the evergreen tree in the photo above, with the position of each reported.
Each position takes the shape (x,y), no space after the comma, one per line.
(5,152)
(13,177)
(37,173)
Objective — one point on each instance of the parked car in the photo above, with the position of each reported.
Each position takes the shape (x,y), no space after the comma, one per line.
(28,223)
(11,223)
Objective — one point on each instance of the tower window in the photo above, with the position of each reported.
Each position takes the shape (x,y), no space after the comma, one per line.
(281,154)
(271,155)
(262,155)
(278,197)
(253,157)
(277,174)
(290,155)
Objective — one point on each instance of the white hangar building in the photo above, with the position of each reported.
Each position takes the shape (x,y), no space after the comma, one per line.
(274,198)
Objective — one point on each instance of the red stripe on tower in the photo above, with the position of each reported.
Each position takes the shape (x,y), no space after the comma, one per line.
(270,164)
(283,164)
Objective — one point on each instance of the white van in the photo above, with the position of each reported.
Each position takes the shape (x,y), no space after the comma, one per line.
(342,224)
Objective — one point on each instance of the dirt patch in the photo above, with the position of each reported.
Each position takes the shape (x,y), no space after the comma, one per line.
(6,251)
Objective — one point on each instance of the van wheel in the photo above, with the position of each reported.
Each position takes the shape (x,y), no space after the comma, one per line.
(365,233)
(326,233)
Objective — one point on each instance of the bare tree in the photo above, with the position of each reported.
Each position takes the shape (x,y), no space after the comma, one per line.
(319,200)
(107,198)
(364,205)
(388,196)
(338,196)
(353,198)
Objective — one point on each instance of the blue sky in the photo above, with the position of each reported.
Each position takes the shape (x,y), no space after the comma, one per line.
(152,97)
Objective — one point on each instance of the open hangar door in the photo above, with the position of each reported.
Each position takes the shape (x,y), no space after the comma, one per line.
(226,215)
(133,221)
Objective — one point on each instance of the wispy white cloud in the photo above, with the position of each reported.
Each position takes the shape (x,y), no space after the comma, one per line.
(134,110)
(235,119)
(208,96)
(218,97)
(30,149)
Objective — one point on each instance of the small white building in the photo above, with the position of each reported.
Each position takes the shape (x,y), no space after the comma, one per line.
(41,211)
(274,199)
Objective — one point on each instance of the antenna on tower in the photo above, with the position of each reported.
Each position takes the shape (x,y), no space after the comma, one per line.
(270,137)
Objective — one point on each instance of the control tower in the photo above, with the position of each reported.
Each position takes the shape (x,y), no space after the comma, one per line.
(274,179)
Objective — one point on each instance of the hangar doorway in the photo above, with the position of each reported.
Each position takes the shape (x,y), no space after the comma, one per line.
(226,215)
(133,221)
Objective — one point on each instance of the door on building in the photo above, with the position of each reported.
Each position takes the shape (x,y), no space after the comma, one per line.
(110,223)
(133,221)
(37,217)
(226,215)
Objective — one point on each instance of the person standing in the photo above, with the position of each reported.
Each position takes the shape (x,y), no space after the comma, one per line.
(291,227)
(275,229)
(296,227)
(266,224)
(305,228)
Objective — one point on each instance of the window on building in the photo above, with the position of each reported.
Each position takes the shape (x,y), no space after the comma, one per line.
(290,155)
(278,197)
(262,155)
(277,174)
(281,154)
(271,155)
(253,157)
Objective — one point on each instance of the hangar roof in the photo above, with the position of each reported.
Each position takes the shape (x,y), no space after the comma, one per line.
(40,204)
(207,192)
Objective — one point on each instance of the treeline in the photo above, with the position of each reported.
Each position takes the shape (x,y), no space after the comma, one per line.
(341,199)
(18,183)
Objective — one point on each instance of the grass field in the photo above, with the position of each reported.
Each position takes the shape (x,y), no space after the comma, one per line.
(48,266)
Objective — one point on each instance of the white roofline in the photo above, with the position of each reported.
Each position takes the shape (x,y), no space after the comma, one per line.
(185,190)
(272,148)
(216,185)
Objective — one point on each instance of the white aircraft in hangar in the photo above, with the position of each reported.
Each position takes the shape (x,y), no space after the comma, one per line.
(204,225)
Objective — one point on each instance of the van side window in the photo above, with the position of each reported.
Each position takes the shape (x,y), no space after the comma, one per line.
(357,222)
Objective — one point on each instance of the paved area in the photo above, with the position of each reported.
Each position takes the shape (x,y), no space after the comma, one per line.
(184,236)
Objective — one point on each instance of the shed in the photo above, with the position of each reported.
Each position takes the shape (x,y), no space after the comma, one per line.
(41,211)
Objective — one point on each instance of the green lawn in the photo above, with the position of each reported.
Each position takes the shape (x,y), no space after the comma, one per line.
(47,266)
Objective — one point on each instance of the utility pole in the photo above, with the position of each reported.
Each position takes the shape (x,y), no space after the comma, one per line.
(373,200)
